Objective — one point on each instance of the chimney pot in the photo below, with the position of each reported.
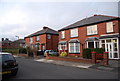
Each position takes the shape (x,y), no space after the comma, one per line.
(95,14)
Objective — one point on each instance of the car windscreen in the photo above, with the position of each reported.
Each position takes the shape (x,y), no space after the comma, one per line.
(6,57)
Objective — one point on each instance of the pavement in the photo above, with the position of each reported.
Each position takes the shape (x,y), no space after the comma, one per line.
(112,67)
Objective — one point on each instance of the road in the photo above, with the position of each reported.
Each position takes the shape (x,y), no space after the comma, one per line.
(30,69)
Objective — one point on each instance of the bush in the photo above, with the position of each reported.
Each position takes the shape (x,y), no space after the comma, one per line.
(23,50)
(13,51)
(87,52)
(63,54)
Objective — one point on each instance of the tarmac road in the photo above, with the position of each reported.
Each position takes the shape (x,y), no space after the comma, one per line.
(30,69)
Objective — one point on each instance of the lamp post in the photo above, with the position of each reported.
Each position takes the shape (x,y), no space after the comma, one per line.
(18,43)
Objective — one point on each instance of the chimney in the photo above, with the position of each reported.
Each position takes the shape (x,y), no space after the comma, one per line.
(2,39)
(6,39)
(45,27)
(95,14)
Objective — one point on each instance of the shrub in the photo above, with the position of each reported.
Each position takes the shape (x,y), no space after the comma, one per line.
(87,52)
(23,50)
(13,51)
(63,54)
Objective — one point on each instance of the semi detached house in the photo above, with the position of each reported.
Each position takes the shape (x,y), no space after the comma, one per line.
(98,31)
(45,39)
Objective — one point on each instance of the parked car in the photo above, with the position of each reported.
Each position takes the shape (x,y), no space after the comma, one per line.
(51,52)
(8,64)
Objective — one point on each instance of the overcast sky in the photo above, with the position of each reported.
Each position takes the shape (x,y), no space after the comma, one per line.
(25,17)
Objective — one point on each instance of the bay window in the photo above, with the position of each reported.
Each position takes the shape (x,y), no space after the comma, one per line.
(74,47)
(62,47)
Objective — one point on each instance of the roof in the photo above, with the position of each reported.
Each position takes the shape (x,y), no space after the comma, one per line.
(19,41)
(45,30)
(74,41)
(6,41)
(90,20)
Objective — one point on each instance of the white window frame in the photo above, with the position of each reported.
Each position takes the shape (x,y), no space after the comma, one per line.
(60,46)
(94,43)
(62,34)
(92,30)
(48,36)
(31,40)
(109,27)
(74,32)
(74,48)
(37,38)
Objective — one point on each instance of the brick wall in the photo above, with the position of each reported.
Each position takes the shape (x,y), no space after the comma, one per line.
(82,34)
(50,44)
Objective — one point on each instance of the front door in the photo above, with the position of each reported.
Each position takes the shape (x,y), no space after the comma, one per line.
(109,48)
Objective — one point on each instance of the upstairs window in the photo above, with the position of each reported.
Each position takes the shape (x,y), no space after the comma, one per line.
(63,34)
(49,36)
(74,32)
(31,40)
(91,30)
(109,27)
(37,38)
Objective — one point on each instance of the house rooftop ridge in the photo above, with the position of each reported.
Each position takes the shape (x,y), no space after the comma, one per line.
(96,18)
(45,30)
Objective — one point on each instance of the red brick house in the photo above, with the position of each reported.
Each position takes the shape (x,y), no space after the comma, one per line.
(6,43)
(98,31)
(45,39)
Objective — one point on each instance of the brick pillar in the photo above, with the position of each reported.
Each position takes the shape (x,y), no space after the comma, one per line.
(105,58)
(93,57)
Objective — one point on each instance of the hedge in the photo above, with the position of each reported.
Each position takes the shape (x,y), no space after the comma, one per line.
(87,52)
(13,51)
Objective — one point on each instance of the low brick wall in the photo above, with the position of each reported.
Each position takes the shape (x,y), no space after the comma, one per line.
(70,59)
(25,55)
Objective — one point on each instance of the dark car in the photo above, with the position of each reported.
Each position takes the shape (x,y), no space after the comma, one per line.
(8,64)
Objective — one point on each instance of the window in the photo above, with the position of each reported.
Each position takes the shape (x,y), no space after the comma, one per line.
(62,47)
(37,38)
(49,36)
(109,27)
(74,32)
(63,34)
(31,40)
(91,30)
(74,47)
(92,44)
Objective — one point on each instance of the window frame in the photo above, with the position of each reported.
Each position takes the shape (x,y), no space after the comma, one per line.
(91,30)
(62,34)
(75,51)
(94,44)
(60,46)
(31,40)
(48,36)
(110,26)
(74,32)
(37,38)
